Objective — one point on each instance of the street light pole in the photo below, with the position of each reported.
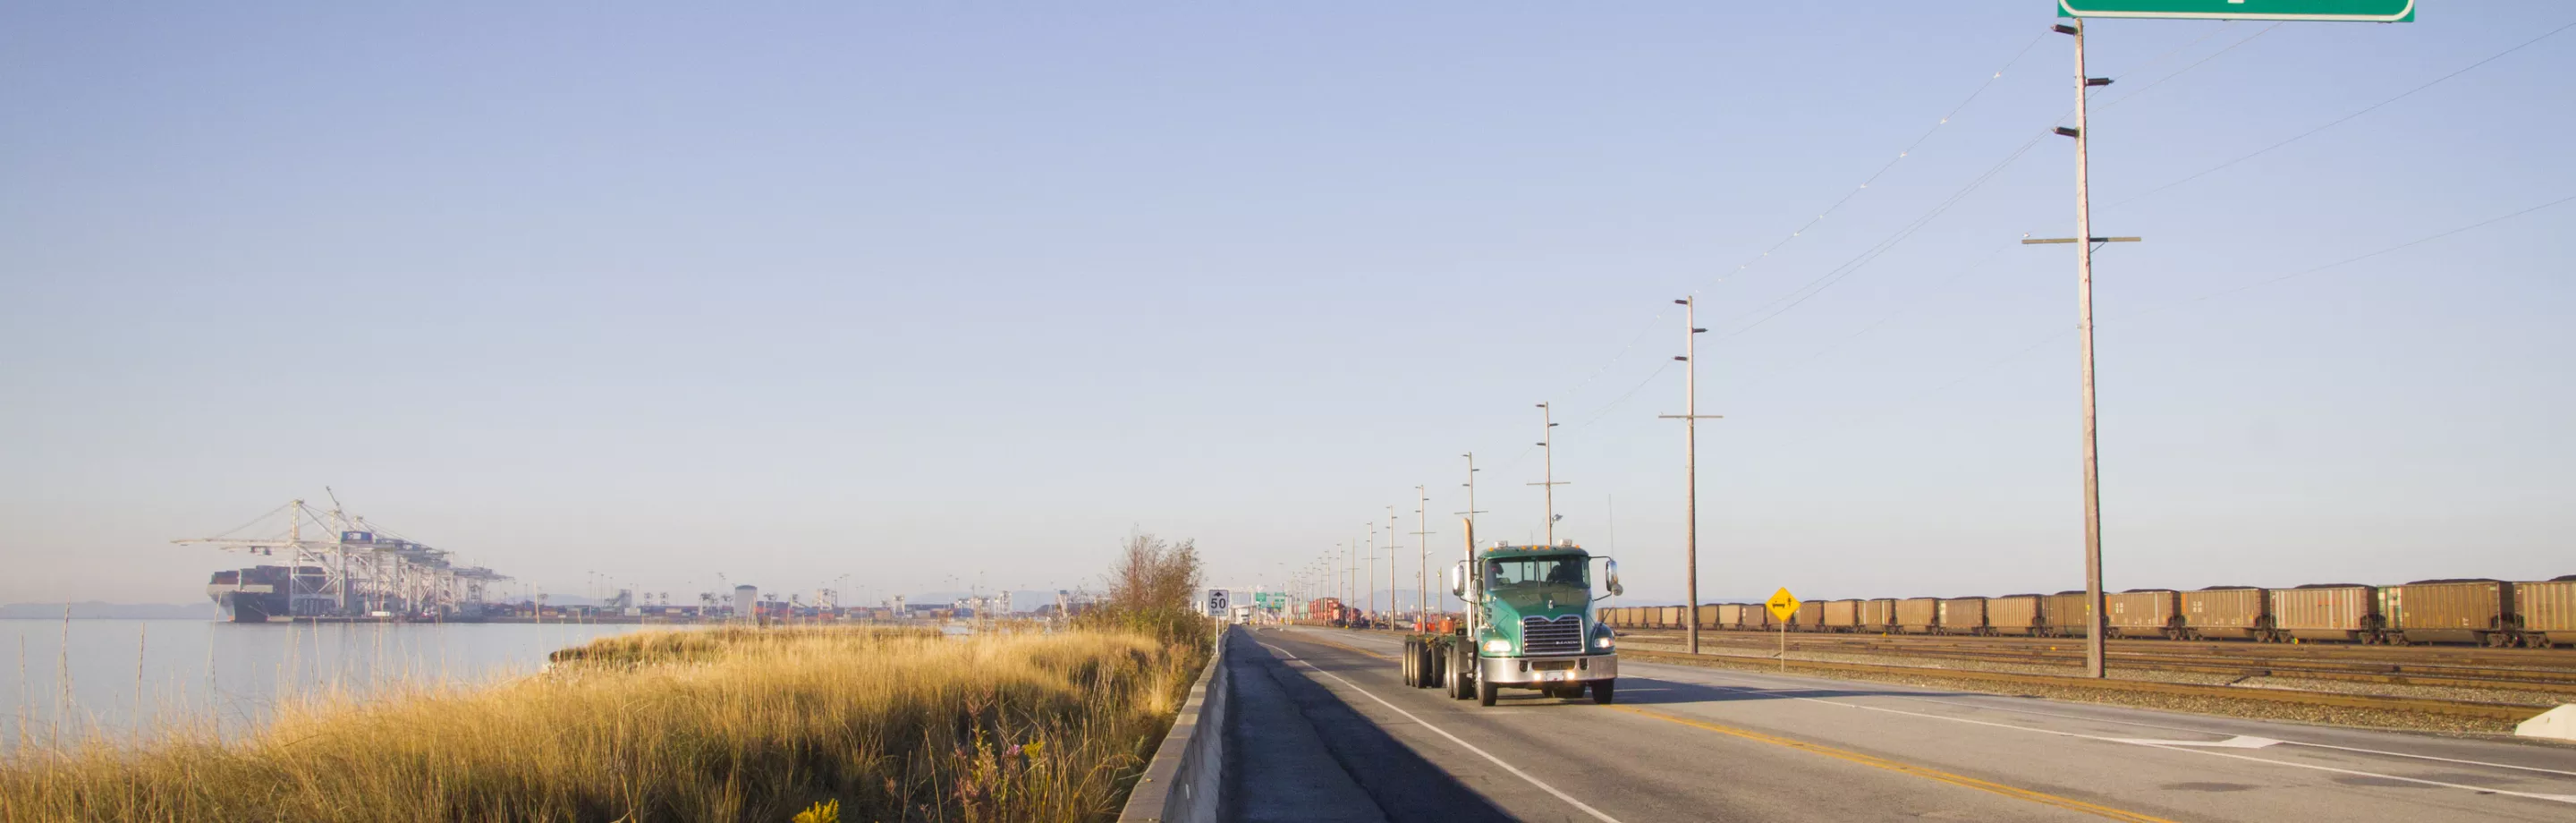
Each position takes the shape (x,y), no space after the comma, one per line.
(1690,418)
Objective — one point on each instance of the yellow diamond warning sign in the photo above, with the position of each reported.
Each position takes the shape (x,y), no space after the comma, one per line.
(1782,604)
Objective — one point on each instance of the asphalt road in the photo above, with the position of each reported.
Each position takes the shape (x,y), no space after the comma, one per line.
(1686,743)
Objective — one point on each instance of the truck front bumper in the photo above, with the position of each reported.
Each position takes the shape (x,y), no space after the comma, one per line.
(1539,671)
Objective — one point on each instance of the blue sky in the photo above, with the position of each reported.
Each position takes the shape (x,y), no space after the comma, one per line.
(921,292)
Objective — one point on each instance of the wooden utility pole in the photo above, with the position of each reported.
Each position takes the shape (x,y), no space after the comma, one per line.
(1690,418)
(1547,431)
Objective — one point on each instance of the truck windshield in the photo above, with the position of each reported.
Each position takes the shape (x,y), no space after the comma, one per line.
(1503,574)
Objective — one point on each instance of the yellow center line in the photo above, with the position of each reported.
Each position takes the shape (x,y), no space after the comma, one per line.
(1905,768)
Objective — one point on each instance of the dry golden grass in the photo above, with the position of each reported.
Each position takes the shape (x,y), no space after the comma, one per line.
(717,725)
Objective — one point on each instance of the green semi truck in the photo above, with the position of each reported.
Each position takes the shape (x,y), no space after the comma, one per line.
(1529,625)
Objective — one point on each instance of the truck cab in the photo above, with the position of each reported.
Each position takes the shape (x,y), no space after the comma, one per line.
(1530,623)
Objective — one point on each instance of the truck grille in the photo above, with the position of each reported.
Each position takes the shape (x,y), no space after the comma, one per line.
(1562,635)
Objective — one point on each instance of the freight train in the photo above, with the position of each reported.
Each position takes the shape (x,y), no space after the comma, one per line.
(2537,614)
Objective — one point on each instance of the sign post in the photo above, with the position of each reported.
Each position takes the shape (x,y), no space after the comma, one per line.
(1783,606)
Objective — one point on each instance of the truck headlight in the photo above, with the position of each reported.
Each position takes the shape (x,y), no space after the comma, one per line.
(1498,646)
(1602,642)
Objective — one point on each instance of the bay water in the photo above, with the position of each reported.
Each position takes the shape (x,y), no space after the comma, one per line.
(65,680)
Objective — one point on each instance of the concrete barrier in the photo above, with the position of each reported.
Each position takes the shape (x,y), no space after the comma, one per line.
(2554,724)
(1184,781)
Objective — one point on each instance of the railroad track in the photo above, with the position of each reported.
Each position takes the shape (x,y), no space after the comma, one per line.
(2244,661)
(2499,712)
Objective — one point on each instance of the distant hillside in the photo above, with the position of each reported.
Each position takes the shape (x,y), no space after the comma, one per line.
(115,611)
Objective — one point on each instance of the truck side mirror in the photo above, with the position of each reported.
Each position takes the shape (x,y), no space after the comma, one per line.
(1458,580)
(1610,577)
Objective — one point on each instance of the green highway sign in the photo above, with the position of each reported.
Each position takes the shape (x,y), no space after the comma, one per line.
(2367,11)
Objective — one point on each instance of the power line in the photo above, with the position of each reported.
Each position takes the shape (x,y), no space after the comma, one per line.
(1871,254)
(2222,28)
(2349,260)
(2195,64)
(1623,398)
(1835,275)
(1793,235)
(2035,345)
(1863,331)
(1891,164)
(2341,120)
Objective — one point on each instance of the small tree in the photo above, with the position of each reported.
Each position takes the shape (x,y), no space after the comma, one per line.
(1151,588)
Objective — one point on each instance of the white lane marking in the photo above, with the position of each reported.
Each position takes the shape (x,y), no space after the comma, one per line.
(2237,742)
(2561,798)
(1569,799)
(2086,719)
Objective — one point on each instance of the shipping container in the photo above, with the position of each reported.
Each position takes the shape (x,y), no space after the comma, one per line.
(1963,615)
(1811,617)
(2449,611)
(1842,615)
(2547,611)
(2226,612)
(2144,613)
(1918,615)
(2326,612)
(2063,614)
(1878,615)
(2014,614)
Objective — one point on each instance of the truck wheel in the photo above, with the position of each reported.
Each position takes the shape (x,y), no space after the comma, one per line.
(1485,693)
(1601,690)
(1462,672)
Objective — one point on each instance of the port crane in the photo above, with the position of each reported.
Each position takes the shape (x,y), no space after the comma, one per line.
(345,567)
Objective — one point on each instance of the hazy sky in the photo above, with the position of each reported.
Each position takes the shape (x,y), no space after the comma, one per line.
(919,291)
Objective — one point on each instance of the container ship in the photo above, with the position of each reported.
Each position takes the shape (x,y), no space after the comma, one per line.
(254,595)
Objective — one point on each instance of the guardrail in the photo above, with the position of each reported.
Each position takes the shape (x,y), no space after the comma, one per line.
(1186,778)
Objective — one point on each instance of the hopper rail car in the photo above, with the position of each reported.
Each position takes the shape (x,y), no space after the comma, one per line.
(2483,612)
